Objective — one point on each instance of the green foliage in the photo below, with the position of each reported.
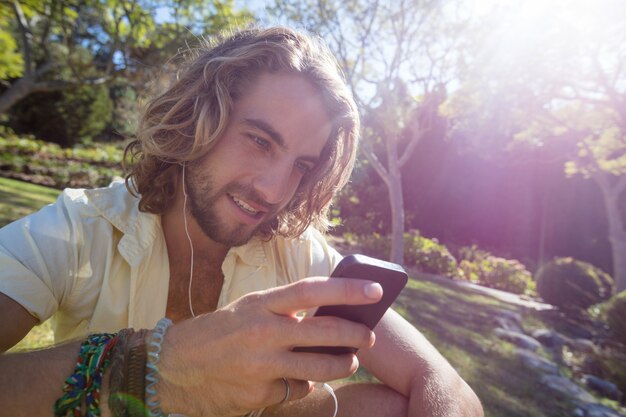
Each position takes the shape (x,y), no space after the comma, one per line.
(572,284)
(125,110)
(68,118)
(616,318)
(363,206)
(85,111)
(482,267)
(46,163)
(373,244)
(11,62)
(428,255)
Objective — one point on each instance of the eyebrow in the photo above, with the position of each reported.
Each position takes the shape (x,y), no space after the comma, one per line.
(268,130)
(275,136)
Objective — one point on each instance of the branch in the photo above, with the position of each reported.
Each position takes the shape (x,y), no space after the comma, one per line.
(27,36)
(378,167)
(56,85)
(614,97)
(408,151)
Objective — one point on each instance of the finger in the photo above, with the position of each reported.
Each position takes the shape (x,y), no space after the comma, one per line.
(319,291)
(329,331)
(316,367)
(292,389)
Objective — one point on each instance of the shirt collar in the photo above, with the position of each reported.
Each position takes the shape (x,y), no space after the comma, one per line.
(252,253)
(121,209)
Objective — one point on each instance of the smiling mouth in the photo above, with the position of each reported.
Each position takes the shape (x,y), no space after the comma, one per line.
(245,207)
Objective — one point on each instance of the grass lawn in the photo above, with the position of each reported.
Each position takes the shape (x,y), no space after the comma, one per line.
(459,323)
(17,199)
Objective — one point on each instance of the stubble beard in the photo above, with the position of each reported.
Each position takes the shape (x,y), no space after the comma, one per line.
(202,202)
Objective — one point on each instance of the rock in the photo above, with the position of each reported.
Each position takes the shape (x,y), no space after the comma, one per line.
(567,387)
(549,338)
(596,410)
(504,323)
(605,388)
(518,339)
(509,320)
(578,412)
(583,345)
(532,361)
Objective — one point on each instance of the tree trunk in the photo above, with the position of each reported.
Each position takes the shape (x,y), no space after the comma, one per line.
(617,229)
(396,200)
(618,249)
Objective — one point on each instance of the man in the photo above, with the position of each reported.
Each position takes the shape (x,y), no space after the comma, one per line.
(218,229)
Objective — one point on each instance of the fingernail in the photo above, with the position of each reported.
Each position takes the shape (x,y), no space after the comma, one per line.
(373,290)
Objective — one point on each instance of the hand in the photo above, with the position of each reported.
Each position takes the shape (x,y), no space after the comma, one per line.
(230,362)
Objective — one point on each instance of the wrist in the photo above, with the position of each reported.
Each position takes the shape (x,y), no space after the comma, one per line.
(155,388)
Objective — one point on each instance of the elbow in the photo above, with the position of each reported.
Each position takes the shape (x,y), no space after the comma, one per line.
(471,406)
(444,395)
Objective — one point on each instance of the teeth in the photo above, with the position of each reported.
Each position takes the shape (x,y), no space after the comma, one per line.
(245,206)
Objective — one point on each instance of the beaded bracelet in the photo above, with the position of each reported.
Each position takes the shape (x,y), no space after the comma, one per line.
(152,374)
(85,382)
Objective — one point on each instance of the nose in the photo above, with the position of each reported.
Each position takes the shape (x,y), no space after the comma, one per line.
(274,183)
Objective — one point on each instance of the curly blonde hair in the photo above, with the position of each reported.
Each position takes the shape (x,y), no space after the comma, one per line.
(182,124)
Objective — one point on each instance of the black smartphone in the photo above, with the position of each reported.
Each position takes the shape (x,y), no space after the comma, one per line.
(390,276)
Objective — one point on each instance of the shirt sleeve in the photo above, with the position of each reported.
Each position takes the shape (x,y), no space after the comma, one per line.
(38,257)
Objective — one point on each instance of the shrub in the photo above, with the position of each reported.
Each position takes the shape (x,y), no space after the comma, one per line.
(375,245)
(482,267)
(499,273)
(26,158)
(616,316)
(428,255)
(572,284)
(65,117)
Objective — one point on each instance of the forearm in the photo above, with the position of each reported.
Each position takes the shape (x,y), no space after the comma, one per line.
(443,394)
(354,399)
(406,361)
(31,382)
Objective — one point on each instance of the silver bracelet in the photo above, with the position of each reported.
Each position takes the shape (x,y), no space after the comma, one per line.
(154,346)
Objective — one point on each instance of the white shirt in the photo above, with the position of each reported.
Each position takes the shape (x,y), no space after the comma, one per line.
(97,264)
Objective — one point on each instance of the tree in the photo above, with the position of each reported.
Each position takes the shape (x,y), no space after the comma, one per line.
(66,44)
(398,57)
(564,82)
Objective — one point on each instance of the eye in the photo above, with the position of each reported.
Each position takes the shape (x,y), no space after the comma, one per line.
(303,167)
(260,142)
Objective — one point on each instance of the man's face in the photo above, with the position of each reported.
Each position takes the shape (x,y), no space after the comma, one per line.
(275,136)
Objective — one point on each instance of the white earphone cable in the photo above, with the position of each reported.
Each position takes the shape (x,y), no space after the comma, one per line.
(330,390)
(190,245)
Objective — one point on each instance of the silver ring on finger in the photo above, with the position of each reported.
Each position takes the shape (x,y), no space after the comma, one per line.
(287,391)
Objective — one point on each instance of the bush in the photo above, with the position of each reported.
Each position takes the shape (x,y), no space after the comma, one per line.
(616,316)
(428,255)
(64,117)
(375,245)
(491,271)
(572,284)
